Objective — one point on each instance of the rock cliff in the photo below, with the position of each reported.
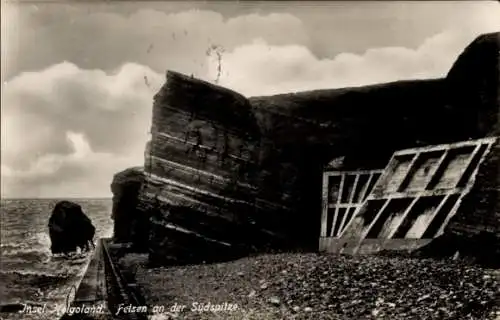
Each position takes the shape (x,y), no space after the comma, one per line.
(475,79)
(227,173)
(129,226)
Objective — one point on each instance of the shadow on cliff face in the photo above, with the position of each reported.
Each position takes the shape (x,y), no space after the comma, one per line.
(70,228)
(130,224)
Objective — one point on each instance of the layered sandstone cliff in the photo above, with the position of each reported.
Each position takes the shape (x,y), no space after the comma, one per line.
(225,174)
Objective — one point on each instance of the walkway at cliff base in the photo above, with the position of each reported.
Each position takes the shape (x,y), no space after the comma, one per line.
(102,291)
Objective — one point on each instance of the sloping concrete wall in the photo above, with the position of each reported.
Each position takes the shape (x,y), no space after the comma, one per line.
(417,195)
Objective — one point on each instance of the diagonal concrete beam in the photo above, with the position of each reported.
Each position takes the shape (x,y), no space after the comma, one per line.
(350,205)
(434,214)
(347,213)
(488,142)
(353,189)
(341,234)
(341,187)
(409,173)
(449,216)
(364,194)
(438,170)
(462,180)
(403,218)
(377,216)
(324,215)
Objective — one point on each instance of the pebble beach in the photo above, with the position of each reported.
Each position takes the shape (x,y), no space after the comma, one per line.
(316,286)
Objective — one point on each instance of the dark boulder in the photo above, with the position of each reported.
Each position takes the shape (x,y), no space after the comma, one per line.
(70,228)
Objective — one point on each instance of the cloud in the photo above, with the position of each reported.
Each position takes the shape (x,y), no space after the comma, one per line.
(66,130)
(106,40)
(262,68)
(259,68)
(83,172)
(99,93)
(105,36)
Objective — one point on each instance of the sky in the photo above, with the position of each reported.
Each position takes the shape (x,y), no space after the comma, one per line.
(78,79)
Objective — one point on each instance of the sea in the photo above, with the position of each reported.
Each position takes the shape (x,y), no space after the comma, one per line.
(29,274)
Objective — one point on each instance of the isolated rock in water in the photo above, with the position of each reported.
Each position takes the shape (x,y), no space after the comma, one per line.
(69,228)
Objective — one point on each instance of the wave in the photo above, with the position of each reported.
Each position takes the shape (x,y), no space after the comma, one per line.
(36,273)
(29,273)
(26,286)
(27,240)
(24,252)
(50,266)
(36,249)
(34,279)
(28,254)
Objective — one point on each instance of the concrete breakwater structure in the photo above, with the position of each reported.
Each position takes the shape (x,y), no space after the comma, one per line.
(225,175)
(421,193)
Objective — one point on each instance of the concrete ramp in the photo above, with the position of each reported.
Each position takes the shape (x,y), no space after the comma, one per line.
(413,201)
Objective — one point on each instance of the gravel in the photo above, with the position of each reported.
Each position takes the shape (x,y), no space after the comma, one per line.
(314,286)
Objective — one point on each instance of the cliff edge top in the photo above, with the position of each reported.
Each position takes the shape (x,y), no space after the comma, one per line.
(479,60)
(483,50)
(174,76)
(471,82)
